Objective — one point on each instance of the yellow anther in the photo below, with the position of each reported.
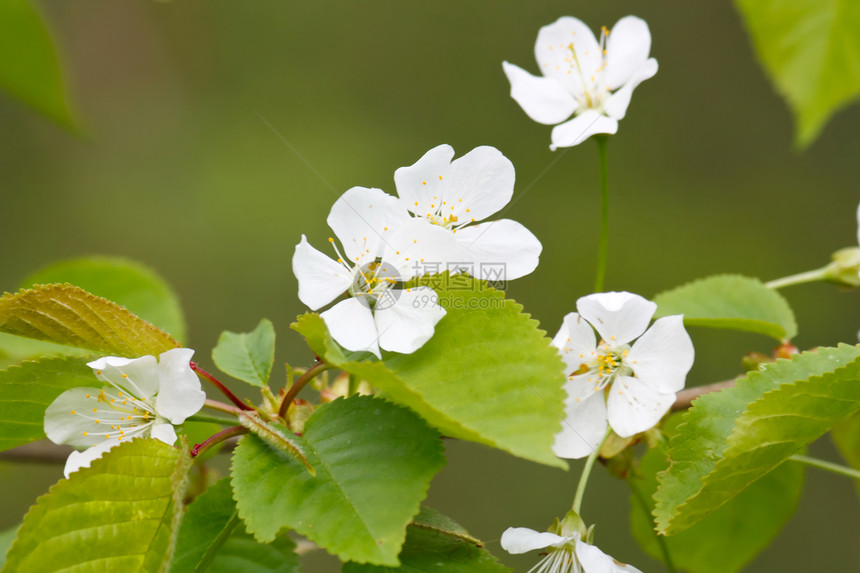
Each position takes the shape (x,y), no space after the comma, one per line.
(73,411)
(125,375)
(98,421)
(331,239)
(440,178)
(95,409)
(340,260)
(416,203)
(88,395)
(385,228)
(86,433)
(98,372)
(423,183)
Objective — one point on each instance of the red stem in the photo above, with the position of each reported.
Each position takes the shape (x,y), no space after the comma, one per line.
(298,385)
(217,383)
(217,439)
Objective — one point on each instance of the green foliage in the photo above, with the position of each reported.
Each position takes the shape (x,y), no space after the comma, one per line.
(121,514)
(488,375)
(374,462)
(27,390)
(730,301)
(846,436)
(811,51)
(128,283)
(436,543)
(29,69)
(66,314)
(6,539)
(746,524)
(729,439)
(248,357)
(212,538)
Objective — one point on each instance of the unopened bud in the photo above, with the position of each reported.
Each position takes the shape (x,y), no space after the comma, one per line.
(845,268)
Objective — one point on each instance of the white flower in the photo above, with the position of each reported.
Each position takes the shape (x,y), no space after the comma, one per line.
(565,554)
(382,247)
(455,195)
(630,387)
(145,398)
(594,81)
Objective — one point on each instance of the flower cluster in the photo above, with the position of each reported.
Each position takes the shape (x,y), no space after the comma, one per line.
(432,226)
(591,80)
(144,397)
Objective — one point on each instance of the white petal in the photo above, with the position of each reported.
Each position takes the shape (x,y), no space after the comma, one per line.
(418,248)
(555,58)
(662,357)
(616,106)
(585,423)
(350,323)
(627,48)
(576,342)
(618,317)
(407,319)
(634,407)
(180,394)
(78,460)
(501,250)
(138,376)
(516,540)
(478,184)
(321,280)
(545,100)
(418,183)
(164,432)
(593,560)
(363,218)
(580,128)
(64,427)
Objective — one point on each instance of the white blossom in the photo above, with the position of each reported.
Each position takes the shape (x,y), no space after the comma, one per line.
(564,553)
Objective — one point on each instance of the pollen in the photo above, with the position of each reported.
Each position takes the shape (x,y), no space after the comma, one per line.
(416,203)
(414,240)
(73,411)
(331,239)
(86,433)
(340,260)
(95,410)
(125,375)
(384,228)
(88,395)
(440,178)
(423,183)
(98,372)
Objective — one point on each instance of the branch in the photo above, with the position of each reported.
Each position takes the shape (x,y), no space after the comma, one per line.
(684,398)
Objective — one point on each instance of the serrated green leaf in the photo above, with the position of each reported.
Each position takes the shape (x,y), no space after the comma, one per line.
(121,514)
(729,439)
(125,282)
(730,301)
(434,544)
(374,463)
(248,357)
(846,436)
(243,553)
(17,349)
(29,69)
(6,538)
(811,51)
(488,375)
(27,390)
(746,524)
(66,314)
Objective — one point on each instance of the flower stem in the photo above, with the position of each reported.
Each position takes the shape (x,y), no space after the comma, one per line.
(798,279)
(217,439)
(661,540)
(210,419)
(603,246)
(294,390)
(217,383)
(221,407)
(583,479)
(828,466)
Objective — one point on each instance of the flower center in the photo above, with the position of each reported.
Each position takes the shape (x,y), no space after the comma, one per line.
(122,415)
(609,363)
(444,213)
(594,88)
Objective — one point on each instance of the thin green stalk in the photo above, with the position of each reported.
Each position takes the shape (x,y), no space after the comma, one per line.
(603,246)
(661,540)
(293,391)
(583,479)
(798,279)
(828,466)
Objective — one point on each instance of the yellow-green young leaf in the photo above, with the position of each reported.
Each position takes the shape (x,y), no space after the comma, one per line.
(6,539)
(29,69)
(125,282)
(729,439)
(374,461)
(435,543)
(248,357)
(746,524)
(27,390)
(811,51)
(66,314)
(121,514)
(488,375)
(730,301)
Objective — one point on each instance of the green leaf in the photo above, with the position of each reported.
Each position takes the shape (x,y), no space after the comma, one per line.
(248,357)
(209,539)
(374,462)
(27,390)
(730,301)
(811,51)
(29,69)
(846,436)
(128,283)
(729,439)
(435,543)
(121,514)
(488,375)
(6,539)
(65,314)
(746,524)
(16,349)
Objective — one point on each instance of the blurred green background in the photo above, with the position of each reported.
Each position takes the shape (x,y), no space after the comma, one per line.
(217,132)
